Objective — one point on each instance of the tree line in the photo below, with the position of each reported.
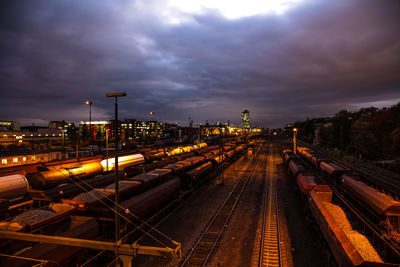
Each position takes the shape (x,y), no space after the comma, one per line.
(369,133)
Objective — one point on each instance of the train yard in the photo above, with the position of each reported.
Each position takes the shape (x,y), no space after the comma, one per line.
(256,204)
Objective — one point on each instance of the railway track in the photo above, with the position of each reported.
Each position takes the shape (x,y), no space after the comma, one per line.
(269,253)
(389,185)
(363,213)
(203,248)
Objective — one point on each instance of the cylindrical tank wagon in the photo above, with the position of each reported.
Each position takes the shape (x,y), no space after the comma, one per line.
(13,186)
(60,174)
(123,161)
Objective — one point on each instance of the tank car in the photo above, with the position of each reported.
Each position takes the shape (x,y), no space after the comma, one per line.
(13,186)
(61,174)
(123,161)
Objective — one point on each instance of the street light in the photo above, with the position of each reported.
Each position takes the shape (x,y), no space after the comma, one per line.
(116,95)
(90,123)
(294,140)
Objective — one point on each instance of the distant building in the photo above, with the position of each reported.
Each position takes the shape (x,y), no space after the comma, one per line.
(245,119)
(98,129)
(9,126)
(23,157)
(141,130)
(41,136)
(67,127)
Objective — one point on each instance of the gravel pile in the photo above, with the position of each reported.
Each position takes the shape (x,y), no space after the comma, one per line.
(359,241)
(92,195)
(33,216)
(122,186)
(363,246)
(339,216)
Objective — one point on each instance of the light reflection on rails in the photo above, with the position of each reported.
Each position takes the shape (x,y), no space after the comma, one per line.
(202,250)
(270,248)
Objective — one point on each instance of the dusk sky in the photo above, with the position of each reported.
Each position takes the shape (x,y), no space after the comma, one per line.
(284,60)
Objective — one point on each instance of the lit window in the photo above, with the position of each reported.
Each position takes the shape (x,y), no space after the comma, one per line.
(33,157)
(3,161)
(15,160)
(24,159)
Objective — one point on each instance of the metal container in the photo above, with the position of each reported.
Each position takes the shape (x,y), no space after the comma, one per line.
(306,183)
(60,174)
(343,250)
(382,204)
(13,186)
(332,168)
(296,167)
(123,161)
(200,171)
(150,200)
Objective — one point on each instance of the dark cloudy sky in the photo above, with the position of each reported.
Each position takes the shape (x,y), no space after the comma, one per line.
(303,58)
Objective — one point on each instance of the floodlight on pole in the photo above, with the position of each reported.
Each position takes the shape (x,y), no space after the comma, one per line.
(116,95)
(90,123)
(294,140)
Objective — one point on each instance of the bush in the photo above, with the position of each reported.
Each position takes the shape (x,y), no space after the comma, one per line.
(349,158)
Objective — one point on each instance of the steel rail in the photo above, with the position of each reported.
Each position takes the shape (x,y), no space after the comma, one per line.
(270,253)
(375,229)
(392,186)
(167,211)
(203,248)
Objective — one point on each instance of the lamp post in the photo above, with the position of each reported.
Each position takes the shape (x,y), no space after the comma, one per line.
(294,140)
(90,123)
(107,133)
(116,95)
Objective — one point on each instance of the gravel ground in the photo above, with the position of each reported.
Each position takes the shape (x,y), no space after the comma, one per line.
(187,223)
(303,239)
(235,248)
(236,245)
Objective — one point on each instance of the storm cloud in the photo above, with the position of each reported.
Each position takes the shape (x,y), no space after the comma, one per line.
(315,59)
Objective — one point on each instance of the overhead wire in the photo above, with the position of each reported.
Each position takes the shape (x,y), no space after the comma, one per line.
(30,259)
(120,214)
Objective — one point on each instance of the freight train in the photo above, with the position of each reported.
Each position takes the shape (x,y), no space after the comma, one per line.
(15,185)
(383,205)
(151,186)
(323,206)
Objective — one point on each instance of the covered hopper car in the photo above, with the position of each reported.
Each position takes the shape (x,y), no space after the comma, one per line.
(383,205)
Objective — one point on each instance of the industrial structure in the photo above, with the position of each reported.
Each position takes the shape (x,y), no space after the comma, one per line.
(245,119)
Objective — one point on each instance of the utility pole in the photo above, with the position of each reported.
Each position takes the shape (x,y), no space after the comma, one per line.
(90,125)
(221,158)
(315,143)
(116,95)
(107,133)
(294,140)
